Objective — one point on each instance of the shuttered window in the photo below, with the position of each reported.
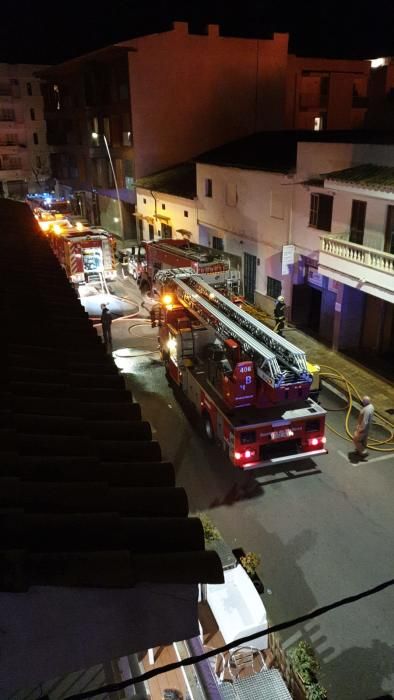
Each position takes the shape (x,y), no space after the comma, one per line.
(320,215)
(357,222)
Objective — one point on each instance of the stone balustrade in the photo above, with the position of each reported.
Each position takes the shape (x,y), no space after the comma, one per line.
(376,259)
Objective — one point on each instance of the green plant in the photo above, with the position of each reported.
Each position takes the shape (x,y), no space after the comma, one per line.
(211,533)
(316,692)
(250,561)
(305,664)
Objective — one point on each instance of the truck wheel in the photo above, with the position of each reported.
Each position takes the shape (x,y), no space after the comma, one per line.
(208,428)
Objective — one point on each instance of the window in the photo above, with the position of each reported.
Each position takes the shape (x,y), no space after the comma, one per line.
(35,138)
(317,124)
(357,222)
(29,89)
(320,215)
(144,200)
(217,243)
(7,115)
(274,288)
(389,237)
(163,206)
(32,114)
(151,232)
(186,213)
(38,161)
(231,194)
(208,187)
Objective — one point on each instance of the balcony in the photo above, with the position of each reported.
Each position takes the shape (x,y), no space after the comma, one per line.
(368,269)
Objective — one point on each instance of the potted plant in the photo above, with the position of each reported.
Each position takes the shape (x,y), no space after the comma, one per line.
(211,533)
(306,667)
(250,561)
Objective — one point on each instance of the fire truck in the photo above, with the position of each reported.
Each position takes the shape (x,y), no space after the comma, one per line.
(250,386)
(85,255)
(175,253)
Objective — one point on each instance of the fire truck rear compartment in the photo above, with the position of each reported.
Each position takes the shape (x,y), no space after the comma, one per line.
(273,450)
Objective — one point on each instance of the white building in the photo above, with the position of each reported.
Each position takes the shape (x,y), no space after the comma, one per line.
(24,157)
(315,223)
(167,204)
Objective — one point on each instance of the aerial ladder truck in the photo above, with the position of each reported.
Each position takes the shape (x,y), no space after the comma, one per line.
(250,386)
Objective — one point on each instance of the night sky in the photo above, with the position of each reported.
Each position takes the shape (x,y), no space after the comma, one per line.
(49,32)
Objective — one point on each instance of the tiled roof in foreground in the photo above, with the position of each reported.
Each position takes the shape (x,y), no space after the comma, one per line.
(86,500)
(368,176)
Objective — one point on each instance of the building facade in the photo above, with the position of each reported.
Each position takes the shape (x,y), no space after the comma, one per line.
(24,154)
(167,204)
(87,108)
(227,88)
(320,232)
(326,93)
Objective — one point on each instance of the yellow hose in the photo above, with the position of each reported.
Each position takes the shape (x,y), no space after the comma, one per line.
(333,373)
(351,389)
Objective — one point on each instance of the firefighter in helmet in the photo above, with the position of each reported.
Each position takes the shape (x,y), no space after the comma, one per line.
(279,315)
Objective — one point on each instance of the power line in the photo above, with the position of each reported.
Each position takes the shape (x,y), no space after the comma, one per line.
(114,687)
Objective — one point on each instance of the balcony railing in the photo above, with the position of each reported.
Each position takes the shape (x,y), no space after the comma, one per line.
(372,258)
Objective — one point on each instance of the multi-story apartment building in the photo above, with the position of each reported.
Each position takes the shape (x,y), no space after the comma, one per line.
(311,217)
(158,100)
(326,93)
(24,158)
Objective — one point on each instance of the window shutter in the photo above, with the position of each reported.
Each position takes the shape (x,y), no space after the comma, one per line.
(325,212)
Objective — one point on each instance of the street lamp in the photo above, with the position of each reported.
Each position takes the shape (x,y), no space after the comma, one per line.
(95,136)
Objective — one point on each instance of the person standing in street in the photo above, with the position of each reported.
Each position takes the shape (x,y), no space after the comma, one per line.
(279,315)
(106,322)
(364,420)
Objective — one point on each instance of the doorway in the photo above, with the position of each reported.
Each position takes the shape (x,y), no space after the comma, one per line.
(306,307)
(250,267)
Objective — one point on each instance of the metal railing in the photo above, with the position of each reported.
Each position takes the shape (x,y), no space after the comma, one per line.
(375,259)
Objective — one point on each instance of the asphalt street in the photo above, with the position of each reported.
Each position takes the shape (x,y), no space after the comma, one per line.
(323,527)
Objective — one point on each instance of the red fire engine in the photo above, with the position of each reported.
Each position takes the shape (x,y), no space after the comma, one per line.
(172,253)
(250,386)
(85,255)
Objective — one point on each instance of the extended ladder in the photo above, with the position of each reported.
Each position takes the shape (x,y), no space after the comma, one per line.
(277,361)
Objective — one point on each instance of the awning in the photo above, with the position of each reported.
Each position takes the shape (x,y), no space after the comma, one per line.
(184,232)
(149,219)
(162,217)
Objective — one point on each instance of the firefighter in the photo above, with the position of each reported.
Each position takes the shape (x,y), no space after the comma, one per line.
(155,315)
(106,322)
(279,315)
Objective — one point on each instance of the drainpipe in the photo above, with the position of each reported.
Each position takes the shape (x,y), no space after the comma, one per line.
(154,197)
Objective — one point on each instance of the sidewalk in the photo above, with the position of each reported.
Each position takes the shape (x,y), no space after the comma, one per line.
(366,382)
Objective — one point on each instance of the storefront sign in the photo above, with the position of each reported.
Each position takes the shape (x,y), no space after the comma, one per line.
(287,258)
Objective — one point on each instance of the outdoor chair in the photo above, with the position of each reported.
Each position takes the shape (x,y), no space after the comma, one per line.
(246,661)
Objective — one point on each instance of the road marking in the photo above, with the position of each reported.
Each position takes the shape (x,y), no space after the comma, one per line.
(367,461)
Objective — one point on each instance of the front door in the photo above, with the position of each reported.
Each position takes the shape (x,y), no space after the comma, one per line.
(250,266)
(166,231)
